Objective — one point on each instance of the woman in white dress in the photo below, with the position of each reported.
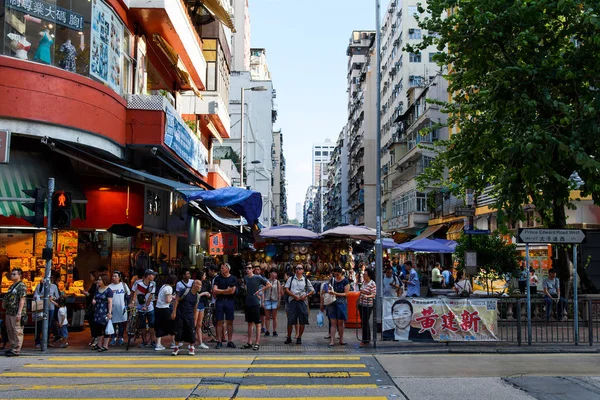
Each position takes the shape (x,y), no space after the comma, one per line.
(121,295)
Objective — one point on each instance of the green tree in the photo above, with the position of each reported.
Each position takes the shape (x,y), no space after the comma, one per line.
(525,84)
(495,257)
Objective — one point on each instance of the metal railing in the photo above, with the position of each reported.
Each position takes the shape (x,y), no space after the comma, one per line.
(512,322)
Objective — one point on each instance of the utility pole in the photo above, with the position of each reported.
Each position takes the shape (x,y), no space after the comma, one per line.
(242,138)
(47,255)
(378,244)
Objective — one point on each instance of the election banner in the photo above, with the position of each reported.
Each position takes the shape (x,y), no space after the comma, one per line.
(439,319)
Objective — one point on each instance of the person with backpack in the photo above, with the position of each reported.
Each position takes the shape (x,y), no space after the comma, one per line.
(462,286)
(184,313)
(298,288)
(448,277)
(144,290)
(186,281)
(392,286)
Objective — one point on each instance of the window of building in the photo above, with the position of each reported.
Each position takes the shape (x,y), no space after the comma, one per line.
(415,80)
(317,153)
(414,34)
(413,10)
(209,49)
(414,57)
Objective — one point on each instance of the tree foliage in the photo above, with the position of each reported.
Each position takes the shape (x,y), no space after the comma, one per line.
(525,80)
(495,257)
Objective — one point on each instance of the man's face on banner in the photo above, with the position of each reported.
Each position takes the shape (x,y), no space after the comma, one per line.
(401,316)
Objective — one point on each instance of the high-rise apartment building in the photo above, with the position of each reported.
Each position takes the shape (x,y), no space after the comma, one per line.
(404,78)
(240,42)
(336,203)
(361,128)
(321,154)
(279,181)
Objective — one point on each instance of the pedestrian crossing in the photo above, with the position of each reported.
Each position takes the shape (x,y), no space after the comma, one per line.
(201,377)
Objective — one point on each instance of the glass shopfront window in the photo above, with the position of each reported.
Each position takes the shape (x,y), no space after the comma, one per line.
(81,36)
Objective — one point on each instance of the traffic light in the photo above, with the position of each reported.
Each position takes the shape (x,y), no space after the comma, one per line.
(38,194)
(61,209)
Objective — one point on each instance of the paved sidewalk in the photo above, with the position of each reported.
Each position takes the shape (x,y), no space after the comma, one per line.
(313,342)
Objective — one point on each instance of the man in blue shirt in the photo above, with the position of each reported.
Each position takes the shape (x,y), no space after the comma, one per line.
(413,285)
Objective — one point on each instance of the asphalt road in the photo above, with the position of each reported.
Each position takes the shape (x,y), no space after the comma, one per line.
(259,376)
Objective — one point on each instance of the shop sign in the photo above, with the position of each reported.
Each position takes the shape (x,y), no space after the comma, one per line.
(222,243)
(180,139)
(464,211)
(106,42)
(4,147)
(48,12)
(439,319)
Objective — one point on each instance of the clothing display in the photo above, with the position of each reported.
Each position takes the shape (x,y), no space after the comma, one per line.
(20,45)
(43,53)
(69,53)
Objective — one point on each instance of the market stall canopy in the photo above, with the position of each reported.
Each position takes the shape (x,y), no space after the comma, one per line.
(426,246)
(388,243)
(450,243)
(352,232)
(288,233)
(247,203)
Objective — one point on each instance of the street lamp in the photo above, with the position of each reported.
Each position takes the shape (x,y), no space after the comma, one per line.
(242,90)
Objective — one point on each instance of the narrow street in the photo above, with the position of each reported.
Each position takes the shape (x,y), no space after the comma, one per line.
(367,377)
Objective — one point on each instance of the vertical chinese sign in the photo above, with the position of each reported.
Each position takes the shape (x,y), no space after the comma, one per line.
(439,319)
(222,243)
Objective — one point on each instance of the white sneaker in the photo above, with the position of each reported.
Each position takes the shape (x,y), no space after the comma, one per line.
(173,345)
(191,351)
(203,346)
(159,347)
(175,351)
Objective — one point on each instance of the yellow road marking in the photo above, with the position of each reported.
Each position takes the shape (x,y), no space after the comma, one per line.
(206,358)
(184,374)
(237,398)
(194,366)
(9,386)
(487,355)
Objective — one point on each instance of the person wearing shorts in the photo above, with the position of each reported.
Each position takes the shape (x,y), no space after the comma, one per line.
(298,288)
(337,311)
(224,289)
(272,296)
(254,293)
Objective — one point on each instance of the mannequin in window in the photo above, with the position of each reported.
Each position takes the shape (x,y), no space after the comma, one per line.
(20,45)
(43,51)
(69,53)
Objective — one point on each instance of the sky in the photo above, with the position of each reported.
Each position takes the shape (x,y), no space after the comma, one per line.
(306,44)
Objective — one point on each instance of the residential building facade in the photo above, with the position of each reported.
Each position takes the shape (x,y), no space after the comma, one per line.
(279,181)
(336,204)
(321,154)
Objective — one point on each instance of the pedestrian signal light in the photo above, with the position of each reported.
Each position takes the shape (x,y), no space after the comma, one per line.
(61,209)
(38,194)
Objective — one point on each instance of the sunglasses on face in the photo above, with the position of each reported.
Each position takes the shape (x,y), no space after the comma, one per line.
(299,269)
(248,267)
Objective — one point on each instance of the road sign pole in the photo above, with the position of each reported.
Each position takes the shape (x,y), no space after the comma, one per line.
(528,294)
(46,322)
(575,305)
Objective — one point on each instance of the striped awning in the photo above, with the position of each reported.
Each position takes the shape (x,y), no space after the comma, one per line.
(28,170)
(430,230)
(455,230)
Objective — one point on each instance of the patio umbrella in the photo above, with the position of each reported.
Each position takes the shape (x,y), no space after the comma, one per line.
(288,233)
(352,232)
(425,245)
(125,230)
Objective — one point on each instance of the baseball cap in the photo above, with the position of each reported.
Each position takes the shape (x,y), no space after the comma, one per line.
(149,272)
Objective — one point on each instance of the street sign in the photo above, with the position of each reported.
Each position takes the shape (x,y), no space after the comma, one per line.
(542,235)
(471,262)
(477,232)
(464,212)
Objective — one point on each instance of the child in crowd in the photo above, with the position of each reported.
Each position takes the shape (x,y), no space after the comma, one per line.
(63,322)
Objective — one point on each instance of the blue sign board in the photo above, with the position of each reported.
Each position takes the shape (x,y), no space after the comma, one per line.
(477,232)
(48,12)
(184,143)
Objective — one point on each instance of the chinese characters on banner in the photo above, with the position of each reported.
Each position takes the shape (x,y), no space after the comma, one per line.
(107,37)
(180,139)
(223,243)
(439,319)
(48,12)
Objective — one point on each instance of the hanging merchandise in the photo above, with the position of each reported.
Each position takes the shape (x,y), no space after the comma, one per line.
(69,53)
(43,52)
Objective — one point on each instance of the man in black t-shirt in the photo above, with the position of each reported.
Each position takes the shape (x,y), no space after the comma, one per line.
(184,314)
(224,289)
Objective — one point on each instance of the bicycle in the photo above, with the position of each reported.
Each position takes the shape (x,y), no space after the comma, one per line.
(133,330)
(209,322)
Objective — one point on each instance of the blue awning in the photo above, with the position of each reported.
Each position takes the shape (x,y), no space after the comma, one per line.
(246,203)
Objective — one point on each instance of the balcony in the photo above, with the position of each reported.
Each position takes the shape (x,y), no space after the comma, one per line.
(212,105)
(217,178)
(411,221)
(170,20)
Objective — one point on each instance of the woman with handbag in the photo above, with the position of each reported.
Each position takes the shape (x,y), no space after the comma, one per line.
(462,286)
(121,294)
(337,310)
(102,313)
(164,325)
(368,291)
